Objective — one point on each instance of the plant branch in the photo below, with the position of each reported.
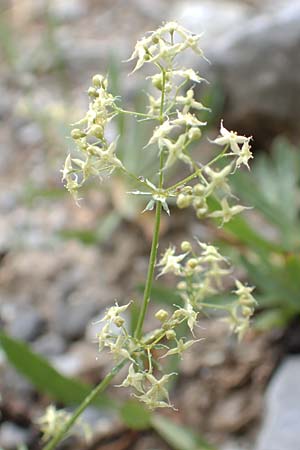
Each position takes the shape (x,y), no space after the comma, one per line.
(86,402)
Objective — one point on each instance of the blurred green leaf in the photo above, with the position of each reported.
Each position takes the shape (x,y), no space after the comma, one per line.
(163,294)
(135,415)
(94,236)
(177,436)
(44,377)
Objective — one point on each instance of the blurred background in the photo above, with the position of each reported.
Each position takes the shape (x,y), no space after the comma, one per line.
(61,265)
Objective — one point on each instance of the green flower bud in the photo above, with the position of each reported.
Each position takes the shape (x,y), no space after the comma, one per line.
(118,321)
(183,201)
(186,246)
(98,80)
(92,92)
(157,81)
(198,189)
(194,133)
(77,134)
(246,311)
(192,263)
(198,202)
(162,315)
(181,285)
(97,131)
(170,334)
(200,213)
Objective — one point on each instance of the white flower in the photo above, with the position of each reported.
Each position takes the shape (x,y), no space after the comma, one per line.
(188,119)
(227,212)
(230,138)
(170,262)
(218,179)
(244,155)
(134,379)
(161,132)
(189,102)
(245,294)
(189,74)
(112,314)
(176,151)
(180,348)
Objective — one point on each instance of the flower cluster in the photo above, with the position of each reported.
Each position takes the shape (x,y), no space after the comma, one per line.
(54,420)
(239,319)
(164,44)
(99,156)
(176,113)
(202,277)
(214,182)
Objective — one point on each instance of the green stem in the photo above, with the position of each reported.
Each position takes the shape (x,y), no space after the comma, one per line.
(86,402)
(149,281)
(155,237)
(197,172)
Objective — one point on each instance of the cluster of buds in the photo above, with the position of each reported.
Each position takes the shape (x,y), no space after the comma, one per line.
(202,277)
(148,388)
(54,420)
(114,334)
(98,155)
(163,45)
(239,319)
(215,182)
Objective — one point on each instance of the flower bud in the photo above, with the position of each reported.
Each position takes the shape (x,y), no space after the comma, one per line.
(186,246)
(98,80)
(194,133)
(170,334)
(181,285)
(198,189)
(192,263)
(198,202)
(118,321)
(97,131)
(157,81)
(246,311)
(77,134)
(92,92)
(200,213)
(162,315)
(183,201)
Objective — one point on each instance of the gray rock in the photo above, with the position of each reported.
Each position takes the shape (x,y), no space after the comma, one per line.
(13,436)
(257,65)
(72,320)
(27,325)
(281,430)
(68,10)
(50,344)
(255,59)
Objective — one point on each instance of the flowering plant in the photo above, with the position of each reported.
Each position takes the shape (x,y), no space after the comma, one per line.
(176,114)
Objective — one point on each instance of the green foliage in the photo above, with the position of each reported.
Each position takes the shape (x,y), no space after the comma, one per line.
(178,436)
(71,392)
(268,246)
(135,415)
(44,377)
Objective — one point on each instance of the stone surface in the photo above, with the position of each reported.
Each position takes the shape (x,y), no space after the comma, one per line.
(27,325)
(281,429)
(255,60)
(257,64)
(12,436)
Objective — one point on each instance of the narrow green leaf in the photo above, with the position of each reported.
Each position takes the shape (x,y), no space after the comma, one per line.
(44,377)
(178,436)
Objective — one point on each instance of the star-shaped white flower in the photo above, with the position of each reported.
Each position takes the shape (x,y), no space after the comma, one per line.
(230,138)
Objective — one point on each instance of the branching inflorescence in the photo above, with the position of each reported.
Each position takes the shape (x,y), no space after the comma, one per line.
(176,114)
